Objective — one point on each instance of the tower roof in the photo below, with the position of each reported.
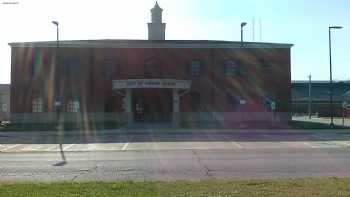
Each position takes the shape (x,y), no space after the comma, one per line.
(156,7)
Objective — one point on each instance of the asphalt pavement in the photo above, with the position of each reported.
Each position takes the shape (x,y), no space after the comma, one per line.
(171,165)
(185,155)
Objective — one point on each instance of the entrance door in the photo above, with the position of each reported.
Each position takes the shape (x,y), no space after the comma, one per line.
(139,109)
(152,105)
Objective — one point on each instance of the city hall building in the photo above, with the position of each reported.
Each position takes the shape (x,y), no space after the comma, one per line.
(150,81)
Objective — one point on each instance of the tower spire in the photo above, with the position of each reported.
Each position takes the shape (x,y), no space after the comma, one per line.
(156,29)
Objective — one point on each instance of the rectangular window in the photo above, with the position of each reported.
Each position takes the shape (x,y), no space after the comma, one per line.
(73,106)
(36,64)
(230,69)
(37,105)
(195,68)
(3,107)
(72,66)
(265,66)
(110,68)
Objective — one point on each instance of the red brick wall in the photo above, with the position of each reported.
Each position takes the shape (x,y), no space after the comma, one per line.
(94,89)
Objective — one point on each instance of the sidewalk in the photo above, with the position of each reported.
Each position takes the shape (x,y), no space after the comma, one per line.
(325,120)
(142,131)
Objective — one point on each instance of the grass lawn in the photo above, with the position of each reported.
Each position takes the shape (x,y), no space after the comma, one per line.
(280,187)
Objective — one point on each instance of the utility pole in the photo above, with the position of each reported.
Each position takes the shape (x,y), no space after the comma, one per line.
(310,99)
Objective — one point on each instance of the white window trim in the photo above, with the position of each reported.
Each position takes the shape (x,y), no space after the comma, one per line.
(37,105)
(73,106)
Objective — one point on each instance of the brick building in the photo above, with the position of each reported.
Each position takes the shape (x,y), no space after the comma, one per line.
(154,80)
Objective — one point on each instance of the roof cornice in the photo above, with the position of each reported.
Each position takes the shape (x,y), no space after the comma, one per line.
(150,44)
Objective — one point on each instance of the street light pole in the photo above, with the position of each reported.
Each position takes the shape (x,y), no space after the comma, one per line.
(330,72)
(242,25)
(57,102)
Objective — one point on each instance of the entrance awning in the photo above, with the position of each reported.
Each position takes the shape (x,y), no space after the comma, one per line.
(151,83)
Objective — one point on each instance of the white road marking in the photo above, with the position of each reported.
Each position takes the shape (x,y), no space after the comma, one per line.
(10,147)
(325,144)
(236,144)
(52,148)
(67,147)
(125,146)
(31,148)
(343,143)
(309,145)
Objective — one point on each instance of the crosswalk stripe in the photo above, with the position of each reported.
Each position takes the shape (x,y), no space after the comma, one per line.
(10,147)
(67,147)
(236,144)
(125,146)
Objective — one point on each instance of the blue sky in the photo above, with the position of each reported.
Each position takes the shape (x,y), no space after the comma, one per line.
(299,22)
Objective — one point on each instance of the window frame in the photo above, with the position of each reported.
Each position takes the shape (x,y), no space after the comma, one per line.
(198,70)
(231,68)
(38,105)
(73,106)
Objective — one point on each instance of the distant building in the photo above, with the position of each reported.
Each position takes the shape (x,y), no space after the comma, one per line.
(347,95)
(4,102)
(320,98)
(154,80)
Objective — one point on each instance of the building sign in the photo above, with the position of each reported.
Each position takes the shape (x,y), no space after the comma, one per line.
(152,83)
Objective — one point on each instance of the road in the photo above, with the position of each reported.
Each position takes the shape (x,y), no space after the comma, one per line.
(179,156)
(170,165)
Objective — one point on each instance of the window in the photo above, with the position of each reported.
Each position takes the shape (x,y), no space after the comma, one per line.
(37,105)
(71,66)
(4,107)
(36,64)
(265,66)
(153,68)
(195,101)
(110,68)
(195,68)
(230,68)
(73,106)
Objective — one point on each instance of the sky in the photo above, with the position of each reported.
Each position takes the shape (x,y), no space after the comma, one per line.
(299,22)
